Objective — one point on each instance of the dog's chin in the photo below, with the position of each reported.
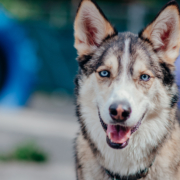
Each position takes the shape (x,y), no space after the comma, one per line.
(117,136)
(116,145)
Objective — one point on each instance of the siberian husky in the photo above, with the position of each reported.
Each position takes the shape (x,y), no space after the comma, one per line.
(127,97)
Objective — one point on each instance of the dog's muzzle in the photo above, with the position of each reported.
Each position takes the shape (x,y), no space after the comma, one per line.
(117,135)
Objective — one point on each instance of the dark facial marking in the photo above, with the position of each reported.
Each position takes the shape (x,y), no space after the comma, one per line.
(135,44)
(76,82)
(174,100)
(168,78)
(89,63)
(84,131)
(144,39)
(110,36)
(108,47)
(119,64)
(132,51)
(83,60)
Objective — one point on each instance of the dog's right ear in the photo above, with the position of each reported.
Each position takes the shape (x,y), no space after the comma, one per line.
(91,27)
(164,33)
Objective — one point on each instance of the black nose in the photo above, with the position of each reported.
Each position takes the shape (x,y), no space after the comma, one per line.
(120,111)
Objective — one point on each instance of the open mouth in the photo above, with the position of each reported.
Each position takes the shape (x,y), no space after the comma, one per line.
(117,135)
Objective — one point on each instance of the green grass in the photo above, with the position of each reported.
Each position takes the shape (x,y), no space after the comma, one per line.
(29,152)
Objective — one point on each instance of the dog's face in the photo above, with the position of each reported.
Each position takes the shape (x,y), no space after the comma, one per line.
(125,77)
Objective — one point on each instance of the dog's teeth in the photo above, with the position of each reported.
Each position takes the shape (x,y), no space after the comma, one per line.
(109,135)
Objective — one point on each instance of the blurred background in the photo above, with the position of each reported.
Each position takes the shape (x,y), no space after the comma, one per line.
(37,69)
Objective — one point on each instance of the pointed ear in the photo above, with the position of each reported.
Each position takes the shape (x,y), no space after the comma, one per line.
(164,33)
(91,27)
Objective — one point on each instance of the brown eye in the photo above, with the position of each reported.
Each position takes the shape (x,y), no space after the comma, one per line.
(104,73)
(145,77)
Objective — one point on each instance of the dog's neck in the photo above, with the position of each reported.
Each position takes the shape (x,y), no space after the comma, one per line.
(140,174)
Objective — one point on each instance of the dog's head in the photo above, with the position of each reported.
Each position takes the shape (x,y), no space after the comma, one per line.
(126,79)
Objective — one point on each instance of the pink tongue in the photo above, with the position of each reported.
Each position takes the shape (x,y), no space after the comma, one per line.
(118,134)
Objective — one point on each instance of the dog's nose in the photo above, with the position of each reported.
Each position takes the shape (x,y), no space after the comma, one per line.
(120,111)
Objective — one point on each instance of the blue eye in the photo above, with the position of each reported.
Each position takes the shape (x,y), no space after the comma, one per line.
(145,77)
(104,74)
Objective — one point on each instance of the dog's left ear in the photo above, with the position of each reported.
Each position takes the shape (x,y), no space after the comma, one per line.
(164,33)
(91,27)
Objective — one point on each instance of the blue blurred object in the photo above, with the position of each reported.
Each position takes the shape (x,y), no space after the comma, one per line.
(177,64)
(18,63)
